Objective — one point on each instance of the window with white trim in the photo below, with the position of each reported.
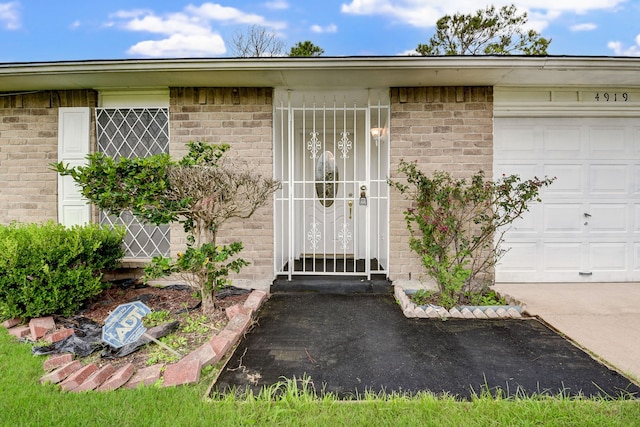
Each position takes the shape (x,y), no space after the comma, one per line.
(128,133)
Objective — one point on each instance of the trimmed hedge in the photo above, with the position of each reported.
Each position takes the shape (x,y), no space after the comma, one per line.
(51,269)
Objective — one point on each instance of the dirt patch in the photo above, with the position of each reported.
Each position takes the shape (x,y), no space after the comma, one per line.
(175,303)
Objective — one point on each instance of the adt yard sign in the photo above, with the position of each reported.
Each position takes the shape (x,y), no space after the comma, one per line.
(124,326)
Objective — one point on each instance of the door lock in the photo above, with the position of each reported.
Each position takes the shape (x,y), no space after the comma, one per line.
(363,195)
(350,203)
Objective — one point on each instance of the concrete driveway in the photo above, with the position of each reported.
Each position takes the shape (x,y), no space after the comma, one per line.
(604,318)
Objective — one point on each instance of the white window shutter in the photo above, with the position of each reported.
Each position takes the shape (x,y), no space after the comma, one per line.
(73,147)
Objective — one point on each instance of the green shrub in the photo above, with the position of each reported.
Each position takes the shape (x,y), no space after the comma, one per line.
(457,225)
(51,269)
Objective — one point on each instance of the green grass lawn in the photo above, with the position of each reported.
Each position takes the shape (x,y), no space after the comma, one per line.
(24,402)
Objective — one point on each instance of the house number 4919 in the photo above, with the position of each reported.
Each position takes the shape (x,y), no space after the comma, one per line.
(612,97)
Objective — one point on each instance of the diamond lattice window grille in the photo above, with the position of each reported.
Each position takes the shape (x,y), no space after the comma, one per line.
(142,240)
(135,132)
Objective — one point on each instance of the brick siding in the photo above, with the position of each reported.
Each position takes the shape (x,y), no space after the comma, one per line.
(243,118)
(28,143)
(443,128)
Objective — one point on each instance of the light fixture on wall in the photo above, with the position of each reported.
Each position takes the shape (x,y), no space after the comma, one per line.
(378,134)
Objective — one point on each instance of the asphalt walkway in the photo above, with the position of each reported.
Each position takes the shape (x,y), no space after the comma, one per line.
(351,343)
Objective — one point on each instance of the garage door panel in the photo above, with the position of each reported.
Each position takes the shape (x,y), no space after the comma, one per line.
(608,179)
(563,218)
(607,142)
(524,170)
(519,256)
(517,142)
(636,220)
(608,218)
(524,225)
(529,223)
(636,258)
(562,142)
(562,256)
(608,256)
(569,179)
(636,179)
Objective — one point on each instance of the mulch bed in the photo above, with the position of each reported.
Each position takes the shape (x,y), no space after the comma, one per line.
(179,300)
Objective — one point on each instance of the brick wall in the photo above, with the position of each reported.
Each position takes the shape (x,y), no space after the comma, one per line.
(28,143)
(443,128)
(241,117)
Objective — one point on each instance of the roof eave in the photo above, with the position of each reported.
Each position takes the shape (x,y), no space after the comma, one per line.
(323,72)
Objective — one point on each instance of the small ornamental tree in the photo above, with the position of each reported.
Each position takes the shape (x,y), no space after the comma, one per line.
(201,191)
(457,226)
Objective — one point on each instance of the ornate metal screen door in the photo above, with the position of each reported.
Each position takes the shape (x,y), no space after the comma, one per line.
(332,209)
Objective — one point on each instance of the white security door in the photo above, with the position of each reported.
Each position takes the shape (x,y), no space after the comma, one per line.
(329,151)
(587,227)
(330,213)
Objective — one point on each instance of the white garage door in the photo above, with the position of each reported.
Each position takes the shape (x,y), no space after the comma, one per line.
(587,227)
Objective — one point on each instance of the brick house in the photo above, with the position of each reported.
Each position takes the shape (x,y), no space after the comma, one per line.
(577,118)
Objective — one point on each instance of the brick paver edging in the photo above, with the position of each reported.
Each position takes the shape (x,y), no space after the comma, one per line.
(410,309)
(70,375)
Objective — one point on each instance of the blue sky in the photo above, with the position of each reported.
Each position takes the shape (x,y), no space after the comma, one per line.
(58,30)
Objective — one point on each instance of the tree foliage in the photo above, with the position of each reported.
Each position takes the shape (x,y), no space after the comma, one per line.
(489,31)
(201,191)
(457,226)
(306,48)
(255,42)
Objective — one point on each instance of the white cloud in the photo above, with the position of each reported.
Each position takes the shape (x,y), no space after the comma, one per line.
(10,15)
(176,23)
(539,20)
(331,28)
(412,12)
(188,33)
(180,45)
(133,13)
(621,50)
(425,13)
(216,12)
(587,26)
